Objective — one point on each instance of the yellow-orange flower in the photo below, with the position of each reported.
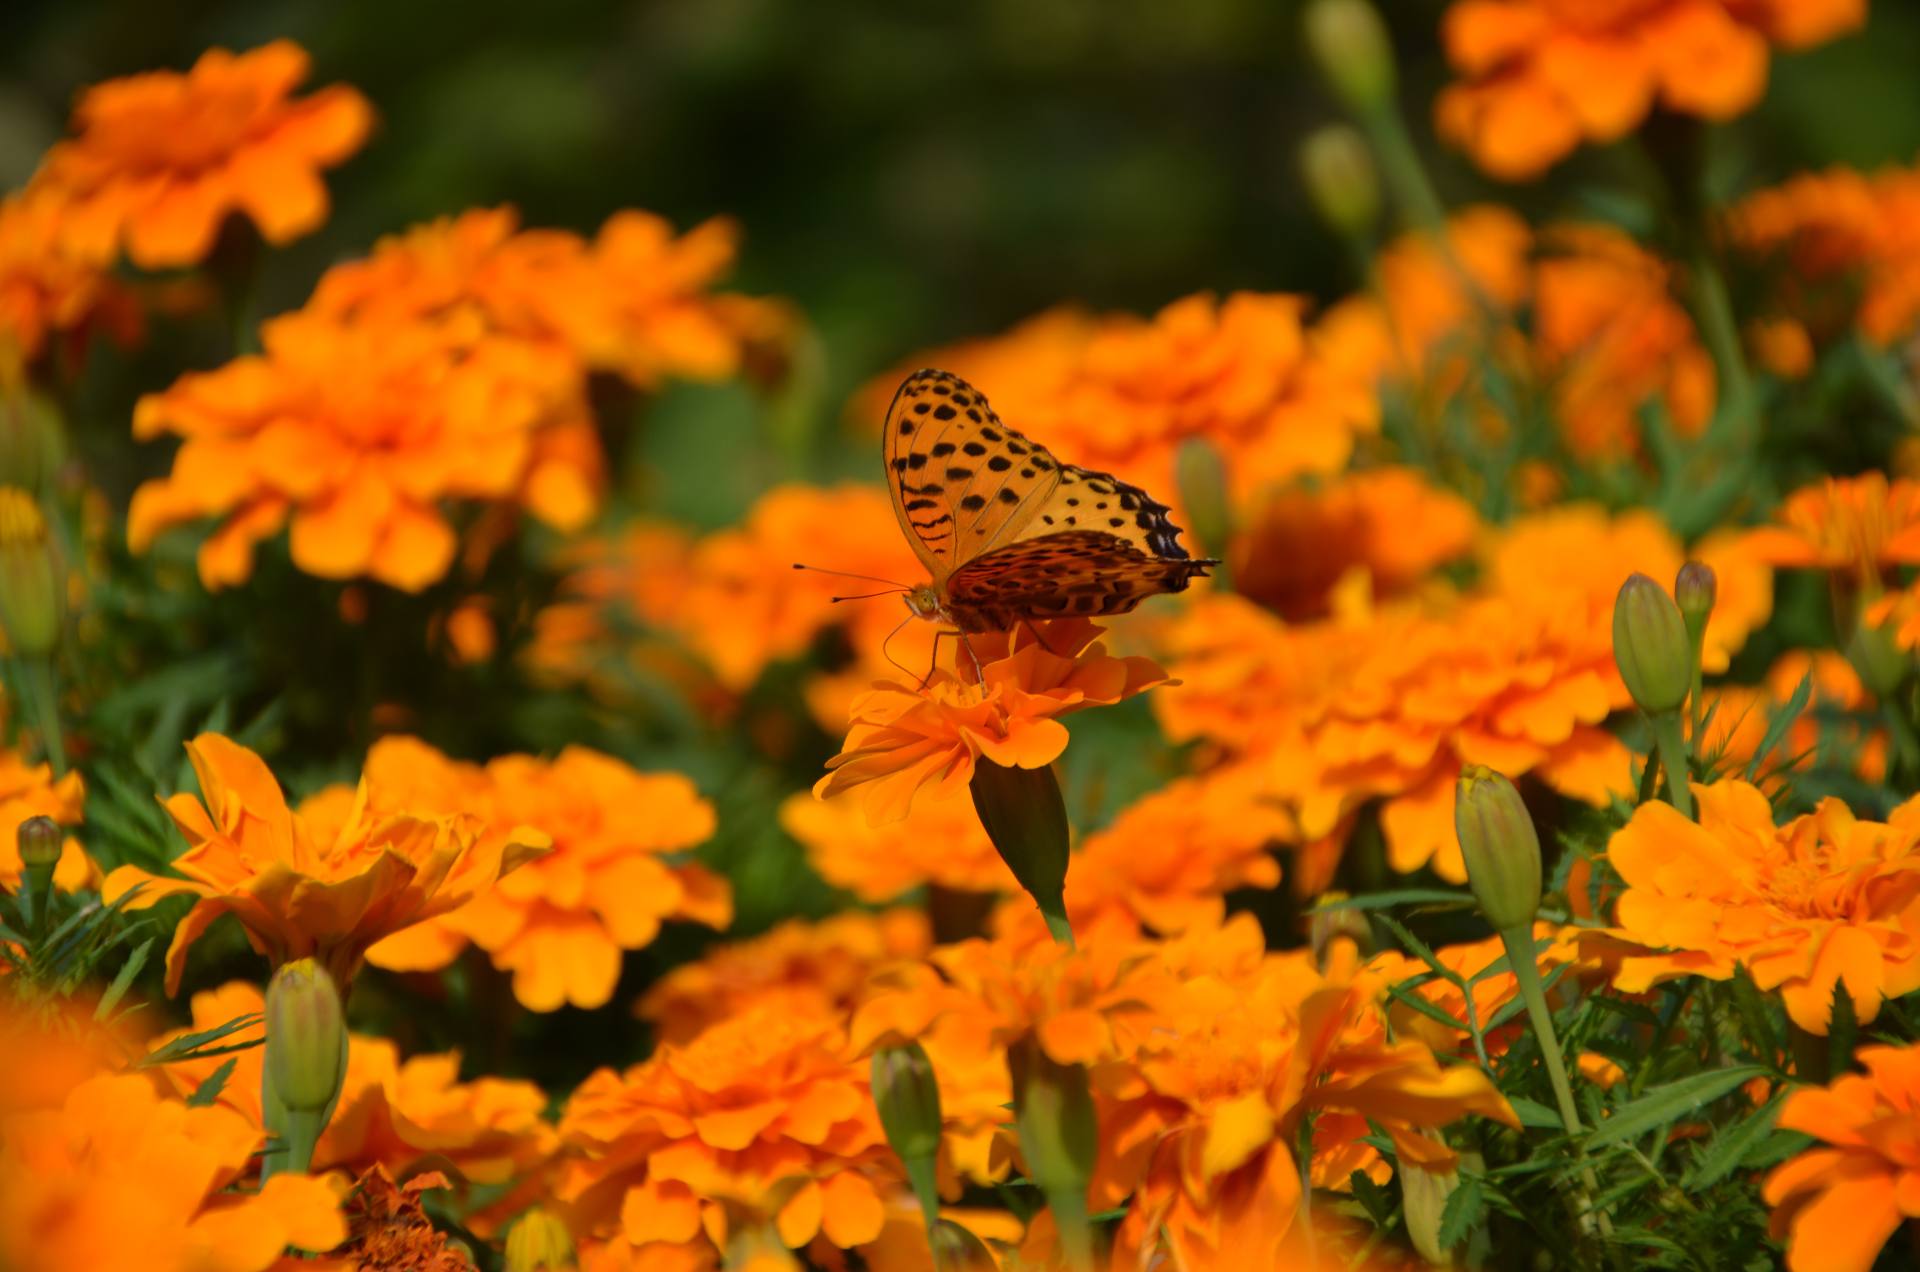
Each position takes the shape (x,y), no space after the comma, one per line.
(46,290)
(1123,394)
(940,842)
(1604,337)
(1849,247)
(120,1174)
(817,969)
(160,160)
(1539,77)
(306,891)
(759,1129)
(561,923)
(1835,1205)
(391,1113)
(388,1228)
(1488,995)
(1864,525)
(357,435)
(1825,900)
(30,790)
(1741,715)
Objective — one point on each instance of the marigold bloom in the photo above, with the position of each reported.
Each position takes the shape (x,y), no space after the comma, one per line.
(300,893)
(1741,715)
(940,842)
(561,923)
(388,1227)
(46,290)
(391,1113)
(1541,76)
(904,739)
(762,1125)
(1488,995)
(160,160)
(1864,525)
(807,968)
(1122,393)
(1836,1205)
(1826,899)
(30,790)
(118,1168)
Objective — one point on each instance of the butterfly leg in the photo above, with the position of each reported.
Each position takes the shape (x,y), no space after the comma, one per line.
(1042,640)
(979,672)
(933,663)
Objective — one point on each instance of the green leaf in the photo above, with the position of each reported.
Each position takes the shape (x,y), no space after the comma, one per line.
(1777,727)
(188,1046)
(1674,1100)
(1515,1005)
(1728,1148)
(1418,948)
(1466,1208)
(1534,1114)
(1405,896)
(1373,1197)
(209,1090)
(1430,1010)
(1843,1031)
(123,981)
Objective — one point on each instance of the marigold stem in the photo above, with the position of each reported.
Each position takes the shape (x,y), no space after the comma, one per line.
(1400,162)
(44,701)
(1672,747)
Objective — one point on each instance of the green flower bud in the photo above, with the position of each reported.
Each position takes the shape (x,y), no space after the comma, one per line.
(1882,664)
(1350,43)
(1423,1197)
(30,596)
(1694,590)
(32,438)
(41,841)
(1650,645)
(539,1242)
(1053,1113)
(1338,169)
(1201,476)
(908,1098)
(306,1037)
(1026,818)
(1325,926)
(957,1250)
(1501,848)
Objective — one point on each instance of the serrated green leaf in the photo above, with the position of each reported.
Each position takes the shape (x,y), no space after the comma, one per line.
(1668,1103)
(1379,1206)
(1419,949)
(1430,1010)
(1777,726)
(212,1085)
(1515,1005)
(124,981)
(1465,1209)
(189,1046)
(1728,1148)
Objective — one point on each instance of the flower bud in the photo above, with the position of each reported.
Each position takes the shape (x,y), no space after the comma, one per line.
(1877,656)
(1350,43)
(30,600)
(539,1242)
(41,841)
(306,1037)
(957,1250)
(1694,591)
(1501,848)
(1338,170)
(1650,645)
(1026,818)
(908,1098)
(1423,1200)
(1339,937)
(1201,476)
(32,443)
(1053,1113)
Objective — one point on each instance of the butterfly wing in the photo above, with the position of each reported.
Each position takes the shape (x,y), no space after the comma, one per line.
(963,482)
(1060,574)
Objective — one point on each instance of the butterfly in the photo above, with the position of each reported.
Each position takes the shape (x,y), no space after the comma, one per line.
(1008,532)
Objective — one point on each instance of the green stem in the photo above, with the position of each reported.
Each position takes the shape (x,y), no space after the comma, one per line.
(1673,757)
(1400,162)
(1056,917)
(1520,958)
(45,704)
(924,1178)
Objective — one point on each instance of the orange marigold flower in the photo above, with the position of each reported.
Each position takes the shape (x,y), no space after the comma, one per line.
(1488,995)
(356,435)
(1825,900)
(1742,714)
(311,891)
(561,923)
(388,1227)
(1299,549)
(806,968)
(1541,76)
(390,1113)
(160,160)
(1866,525)
(940,842)
(1836,1205)
(902,739)
(46,290)
(1123,393)
(30,790)
(118,1169)
(1848,243)
(759,1129)
(1604,334)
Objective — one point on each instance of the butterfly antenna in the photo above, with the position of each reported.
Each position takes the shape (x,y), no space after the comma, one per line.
(889,640)
(866,596)
(870,578)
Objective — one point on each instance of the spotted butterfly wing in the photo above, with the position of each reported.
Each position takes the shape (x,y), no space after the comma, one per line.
(962,481)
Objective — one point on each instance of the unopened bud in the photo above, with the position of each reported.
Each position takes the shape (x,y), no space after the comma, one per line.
(908,1098)
(31,437)
(1423,1200)
(1025,816)
(1876,655)
(957,1250)
(306,1037)
(1053,1113)
(1338,170)
(40,840)
(1650,645)
(1500,846)
(1337,937)
(30,599)
(1694,590)
(539,1242)
(1350,43)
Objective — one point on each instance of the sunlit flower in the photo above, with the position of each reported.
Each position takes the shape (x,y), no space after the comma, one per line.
(1488,995)
(391,1113)
(30,790)
(1847,244)
(302,894)
(903,739)
(1831,732)
(759,1129)
(1299,549)
(614,590)
(355,435)
(1604,335)
(561,923)
(119,1173)
(1863,525)
(160,160)
(1826,899)
(1539,77)
(47,291)
(1122,393)
(1836,1205)
(806,968)
(940,842)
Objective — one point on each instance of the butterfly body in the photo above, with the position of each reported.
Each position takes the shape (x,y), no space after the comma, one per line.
(1008,532)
